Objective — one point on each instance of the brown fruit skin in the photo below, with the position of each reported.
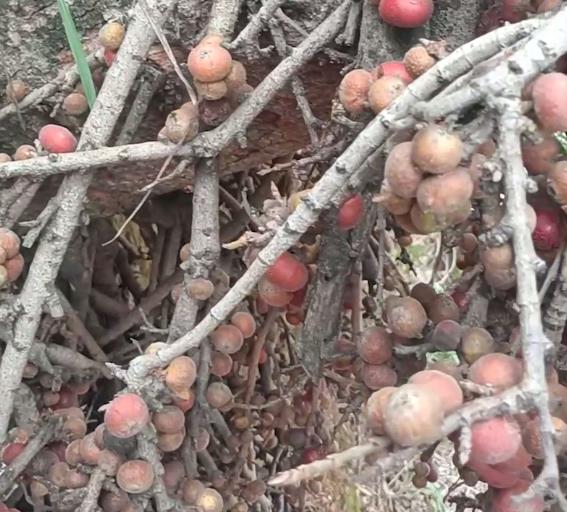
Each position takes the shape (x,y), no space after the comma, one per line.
(444,194)
(500,278)
(211,90)
(200,289)
(378,376)
(210,501)
(406,317)
(495,440)
(442,308)
(89,450)
(75,104)
(424,293)
(17,90)
(227,339)
(214,112)
(436,150)
(111,35)
(500,257)
(180,376)
(73,453)
(447,335)
(417,61)
(353,91)
(384,91)
(209,62)
(24,152)
(245,322)
(549,92)
(173,474)
(540,158)
(135,476)
(126,415)
(168,443)
(182,124)
(169,419)
(557,182)
(400,172)
(476,342)
(375,407)
(413,416)
(498,370)
(375,346)
(237,76)
(114,502)
(441,384)
(218,395)
(191,490)
(531,436)
(221,364)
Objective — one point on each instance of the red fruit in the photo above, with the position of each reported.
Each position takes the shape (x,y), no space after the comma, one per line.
(11,451)
(494,477)
(548,231)
(311,455)
(109,56)
(245,322)
(350,213)
(67,398)
(263,356)
(57,139)
(227,339)
(353,90)
(393,68)
(503,501)
(271,295)
(288,273)
(405,13)
(375,345)
(499,370)
(549,92)
(495,440)
(126,415)
(515,10)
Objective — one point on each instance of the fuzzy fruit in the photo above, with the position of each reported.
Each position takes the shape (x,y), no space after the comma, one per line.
(209,62)
(441,384)
(549,92)
(406,317)
(353,90)
(548,232)
(417,61)
(384,91)
(126,415)
(57,139)
(405,13)
(375,407)
(413,416)
(495,440)
(436,149)
(375,345)
(245,322)
(402,176)
(288,273)
(498,370)
(445,194)
(393,68)
(350,212)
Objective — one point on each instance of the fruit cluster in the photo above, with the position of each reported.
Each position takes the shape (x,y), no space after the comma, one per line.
(11,261)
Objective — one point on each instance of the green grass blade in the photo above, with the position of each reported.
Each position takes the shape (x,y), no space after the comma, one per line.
(562,138)
(76,46)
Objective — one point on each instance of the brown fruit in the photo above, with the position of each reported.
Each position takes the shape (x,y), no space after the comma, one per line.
(393,203)
(400,172)
(191,490)
(73,453)
(375,407)
(5,158)
(89,450)
(10,242)
(114,501)
(185,252)
(378,376)
(239,95)
(57,473)
(209,62)
(427,223)
(180,376)
(237,76)
(200,289)
(214,112)
(169,419)
(245,322)
(557,182)
(173,475)
(75,479)
(218,395)
(447,335)
(445,194)
(253,491)
(413,416)
(501,257)
(75,428)
(476,342)
(424,293)
(24,152)
(442,308)
(168,443)
(126,415)
(539,158)
(221,364)
(17,90)
(210,501)
(227,339)
(211,90)
(353,91)
(442,385)
(468,243)
(417,61)
(495,440)
(531,435)
(182,124)
(384,91)
(109,462)
(548,93)
(406,317)
(498,370)
(436,149)
(111,35)
(500,278)
(135,476)
(75,104)
(375,345)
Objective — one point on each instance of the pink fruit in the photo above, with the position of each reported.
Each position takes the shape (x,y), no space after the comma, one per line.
(406,13)
(57,139)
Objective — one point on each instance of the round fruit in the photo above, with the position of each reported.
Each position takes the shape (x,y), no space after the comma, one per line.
(109,462)
(500,257)
(498,370)
(114,501)
(211,90)
(539,158)
(495,440)
(168,443)
(288,273)
(442,385)
(126,415)
(406,317)
(218,395)
(503,500)
(384,91)
(221,364)
(413,416)
(476,342)
(227,339)
(417,61)
(353,90)
(443,307)
(25,152)
(173,474)
(350,212)
(393,203)
(272,294)
(375,345)
(11,451)
(17,90)
(500,278)
(447,335)
(210,501)
(182,124)
(180,376)
(445,194)
(375,407)
(393,68)
(191,490)
(402,175)
(73,453)
(531,435)
(245,322)
(436,149)
(557,182)
(75,104)
(548,93)
(10,242)
(378,376)
(169,419)
(57,139)
(200,289)
(14,267)
(427,223)
(135,476)
(237,76)
(548,232)
(209,62)
(5,158)
(424,293)
(404,13)
(111,35)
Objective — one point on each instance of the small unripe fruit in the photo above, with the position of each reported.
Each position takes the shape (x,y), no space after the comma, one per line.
(393,68)
(375,346)
(182,124)
(404,14)
(180,376)
(169,419)
(75,104)
(498,370)
(475,343)
(288,273)
(437,150)
(209,63)
(218,395)
(417,61)
(126,415)
(191,490)
(350,212)
(135,476)
(57,139)
(111,35)
(211,90)
(353,90)
(245,322)
(402,175)
(406,317)
(548,93)
(384,91)
(25,152)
